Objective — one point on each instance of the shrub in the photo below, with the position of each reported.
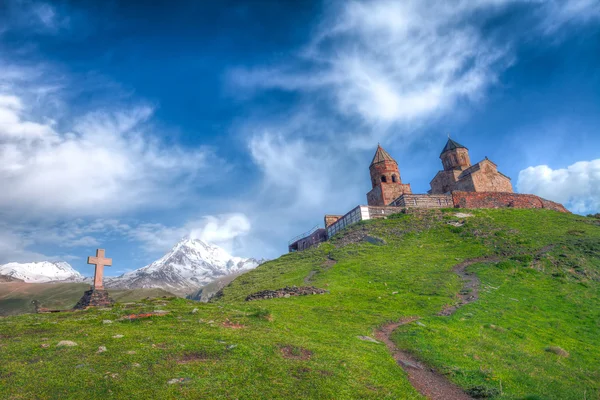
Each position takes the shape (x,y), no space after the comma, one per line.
(482,392)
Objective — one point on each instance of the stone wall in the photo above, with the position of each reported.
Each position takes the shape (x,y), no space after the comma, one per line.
(331,219)
(382,212)
(502,200)
(486,178)
(385,193)
(424,201)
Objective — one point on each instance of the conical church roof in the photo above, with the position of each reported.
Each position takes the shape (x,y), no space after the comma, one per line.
(451,145)
(381,155)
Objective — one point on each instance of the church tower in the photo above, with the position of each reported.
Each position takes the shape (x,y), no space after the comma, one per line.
(455,156)
(386,183)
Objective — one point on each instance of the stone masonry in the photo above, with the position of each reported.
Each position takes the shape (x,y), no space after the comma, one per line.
(385,180)
(458,185)
(94,298)
(459,174)
(503,200)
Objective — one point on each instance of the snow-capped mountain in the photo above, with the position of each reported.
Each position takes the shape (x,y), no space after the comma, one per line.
(41,272)
(190,264)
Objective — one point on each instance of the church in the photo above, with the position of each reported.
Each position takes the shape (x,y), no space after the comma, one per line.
(457,175)
(459,184)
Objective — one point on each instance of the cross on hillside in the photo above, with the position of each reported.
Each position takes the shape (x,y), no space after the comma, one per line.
(100,262)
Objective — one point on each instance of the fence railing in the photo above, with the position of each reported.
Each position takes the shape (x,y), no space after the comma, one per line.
(303,235)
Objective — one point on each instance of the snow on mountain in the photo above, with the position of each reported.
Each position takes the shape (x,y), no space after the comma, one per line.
(41,272)
(190,264)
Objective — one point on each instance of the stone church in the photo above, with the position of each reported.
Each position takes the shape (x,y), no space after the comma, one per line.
(459,185)
(458,175)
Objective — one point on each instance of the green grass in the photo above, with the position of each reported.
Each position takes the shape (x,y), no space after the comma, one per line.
(16,297)
(497,345)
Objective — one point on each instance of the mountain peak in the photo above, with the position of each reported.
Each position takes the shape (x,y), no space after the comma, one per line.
(41,272)
(191,263)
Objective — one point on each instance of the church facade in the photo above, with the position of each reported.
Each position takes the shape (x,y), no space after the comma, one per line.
(459,174)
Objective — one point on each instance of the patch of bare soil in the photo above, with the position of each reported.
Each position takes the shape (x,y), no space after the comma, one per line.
(470,290)
(198,356)
(429,383)
(295,353)
(309,277)
(233,325)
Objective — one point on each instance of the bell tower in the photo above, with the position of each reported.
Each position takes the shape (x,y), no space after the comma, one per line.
(455,156)
(386,183)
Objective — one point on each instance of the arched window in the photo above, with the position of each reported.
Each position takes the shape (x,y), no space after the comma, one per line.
(383,178)
(393,178)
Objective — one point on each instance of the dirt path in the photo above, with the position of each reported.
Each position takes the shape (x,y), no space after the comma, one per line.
(470,290)
(428,382)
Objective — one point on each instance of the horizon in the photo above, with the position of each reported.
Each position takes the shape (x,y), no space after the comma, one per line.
(130,127)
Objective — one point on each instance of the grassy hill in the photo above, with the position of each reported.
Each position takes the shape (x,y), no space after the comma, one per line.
(532,331)
(16,297)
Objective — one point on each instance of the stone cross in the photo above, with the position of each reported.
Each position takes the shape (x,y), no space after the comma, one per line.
(100,262)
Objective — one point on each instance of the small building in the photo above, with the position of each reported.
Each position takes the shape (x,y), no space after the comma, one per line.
(460,175)
(308,239)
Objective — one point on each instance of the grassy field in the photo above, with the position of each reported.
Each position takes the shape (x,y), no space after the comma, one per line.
(534,333)
(16,297)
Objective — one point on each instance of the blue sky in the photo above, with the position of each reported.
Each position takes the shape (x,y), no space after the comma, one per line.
(128,126)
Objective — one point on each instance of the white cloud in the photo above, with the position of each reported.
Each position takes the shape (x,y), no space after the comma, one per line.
(402,61)
(110,163)
(577,186)
(223,230)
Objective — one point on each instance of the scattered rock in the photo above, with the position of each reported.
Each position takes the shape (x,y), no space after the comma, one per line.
(558,351)
(286,292)
(420,323)
(232,346)
(118,336)
(394,292)
(107,321)
(101,349)
(178,380)
(368,339)
(194,311)
(160,312)
(45,345)
(233,325)
(456,223)
(136,365)
(374,240)
(463,215)
(66,343)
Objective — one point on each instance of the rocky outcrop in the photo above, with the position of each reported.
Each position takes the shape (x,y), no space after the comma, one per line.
(94,298)
(285,292)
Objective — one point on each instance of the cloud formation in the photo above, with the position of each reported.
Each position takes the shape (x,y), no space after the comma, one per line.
(577,186)
(109,163)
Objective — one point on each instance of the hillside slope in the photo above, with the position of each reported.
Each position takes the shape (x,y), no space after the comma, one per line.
(531,332)
(16,297)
